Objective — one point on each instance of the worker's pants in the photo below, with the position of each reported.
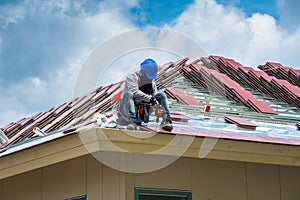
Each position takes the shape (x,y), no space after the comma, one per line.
(126,108)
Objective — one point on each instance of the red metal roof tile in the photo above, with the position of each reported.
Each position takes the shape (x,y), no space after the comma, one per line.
(188,100)
(8,126)
(230,83)
(293,89)
(245,69)
(173,92)
(216,58)
(261,106)
(58,119)
(266,77)
(187,69)
(233,64)
(166,65)
(44,116)
(113,88)
(181,61)
(274,64)
(257,73)
(175,116)
(240,122)
(295,71)
(195,67)
(100,94)
(281,82)
(243,94)
(206,60)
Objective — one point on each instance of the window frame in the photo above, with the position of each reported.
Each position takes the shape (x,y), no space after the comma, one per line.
(82,197)
(166,192)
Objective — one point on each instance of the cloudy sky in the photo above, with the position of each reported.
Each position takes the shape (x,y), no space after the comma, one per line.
(44,44)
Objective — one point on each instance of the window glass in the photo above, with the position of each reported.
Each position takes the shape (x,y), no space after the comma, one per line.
(161,194)
(157,197)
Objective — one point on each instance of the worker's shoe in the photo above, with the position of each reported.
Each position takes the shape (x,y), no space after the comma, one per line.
(132,125)
(166,125)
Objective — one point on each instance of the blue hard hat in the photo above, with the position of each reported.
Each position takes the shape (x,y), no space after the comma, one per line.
(149,68)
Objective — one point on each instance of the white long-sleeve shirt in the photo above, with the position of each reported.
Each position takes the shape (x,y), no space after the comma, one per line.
(132,84)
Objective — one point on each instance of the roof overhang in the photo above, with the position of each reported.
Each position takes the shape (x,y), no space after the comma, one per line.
(142,142)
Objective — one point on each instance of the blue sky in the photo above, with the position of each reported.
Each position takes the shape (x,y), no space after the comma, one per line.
(43,44)
(149,12)
(249,7)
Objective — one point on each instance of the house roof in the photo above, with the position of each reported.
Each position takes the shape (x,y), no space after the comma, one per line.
(245,104)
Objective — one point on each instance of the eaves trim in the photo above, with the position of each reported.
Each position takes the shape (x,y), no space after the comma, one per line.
(141,142)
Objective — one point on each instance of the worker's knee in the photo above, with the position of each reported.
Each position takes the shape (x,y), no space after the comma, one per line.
(160,96)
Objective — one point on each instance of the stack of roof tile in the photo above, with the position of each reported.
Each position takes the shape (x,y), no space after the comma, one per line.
(64,116)
(257,80)
(169,72)
(223,85)
(282,72)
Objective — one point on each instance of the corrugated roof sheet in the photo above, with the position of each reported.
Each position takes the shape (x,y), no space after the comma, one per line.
(232,90)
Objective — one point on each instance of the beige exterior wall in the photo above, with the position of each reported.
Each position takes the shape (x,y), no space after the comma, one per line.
(72,178)
(215,179)
(207,179)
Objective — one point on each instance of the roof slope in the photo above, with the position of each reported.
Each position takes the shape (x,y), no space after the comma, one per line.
(79,109)
(248,93)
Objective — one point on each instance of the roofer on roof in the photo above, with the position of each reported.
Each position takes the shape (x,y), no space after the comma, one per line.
(140,88)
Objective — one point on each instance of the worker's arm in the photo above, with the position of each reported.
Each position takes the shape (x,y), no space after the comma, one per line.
(131,84)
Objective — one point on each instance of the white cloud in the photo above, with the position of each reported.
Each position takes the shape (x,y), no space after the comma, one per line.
(227,31)
(215,27)
(11,115)
(10,15)
(73,33)
(264,31)
(265,40)
(31,91)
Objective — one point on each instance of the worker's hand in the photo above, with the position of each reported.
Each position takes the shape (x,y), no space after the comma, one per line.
(153,101)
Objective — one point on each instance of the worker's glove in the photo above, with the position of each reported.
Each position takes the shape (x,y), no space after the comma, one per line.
(153,101)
